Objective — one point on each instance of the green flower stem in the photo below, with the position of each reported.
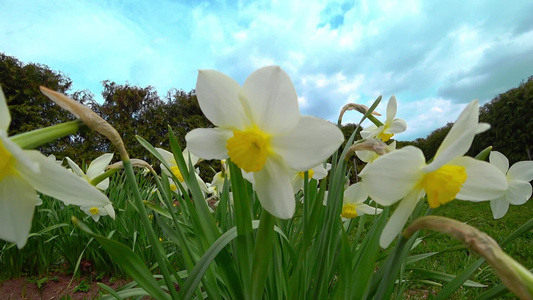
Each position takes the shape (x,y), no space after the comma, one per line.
(374,120)
(35,138)
(103,176)
(152,238)
(262,254)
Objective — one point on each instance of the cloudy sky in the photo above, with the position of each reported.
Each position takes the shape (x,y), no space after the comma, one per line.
(435,56)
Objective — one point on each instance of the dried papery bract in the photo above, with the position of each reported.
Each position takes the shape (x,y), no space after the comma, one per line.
(358,107)
(89,117)
(135,162)
(515,276)
(370,145)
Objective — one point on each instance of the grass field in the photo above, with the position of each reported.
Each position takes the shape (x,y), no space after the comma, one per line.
(56,246)
(478,215)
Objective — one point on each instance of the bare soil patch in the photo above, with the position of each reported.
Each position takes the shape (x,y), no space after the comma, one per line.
(55,286)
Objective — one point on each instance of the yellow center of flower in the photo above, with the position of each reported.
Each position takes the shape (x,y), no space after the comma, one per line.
(94,210)
(385,137)
(309,174)
(176,171)
(444,184)
(348,211)
(173,187)
(249,149)
(6,160)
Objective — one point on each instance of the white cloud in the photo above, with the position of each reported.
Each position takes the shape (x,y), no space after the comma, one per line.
(431,55)
(424,116)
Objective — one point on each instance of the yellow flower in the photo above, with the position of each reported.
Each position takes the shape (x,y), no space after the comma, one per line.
(260,128)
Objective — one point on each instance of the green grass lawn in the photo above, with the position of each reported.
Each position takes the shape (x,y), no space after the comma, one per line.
(478,215)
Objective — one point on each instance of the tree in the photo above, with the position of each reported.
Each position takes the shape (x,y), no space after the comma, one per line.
(29,108)
(509,115)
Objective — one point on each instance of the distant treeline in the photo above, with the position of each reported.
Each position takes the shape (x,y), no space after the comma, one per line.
(511,133)
(140,111)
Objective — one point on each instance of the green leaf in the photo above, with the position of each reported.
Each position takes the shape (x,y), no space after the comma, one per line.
(203,264)
(414,258)
(160,210)
(443,277)
(128,261)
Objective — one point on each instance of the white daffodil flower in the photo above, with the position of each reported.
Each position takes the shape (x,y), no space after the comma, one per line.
(404,175)
(317,172)
(260,128)
(22,173)
(353,205)
(169,158)
(96,168)
(95,212)
(391,126)
(518,178)
(216,185)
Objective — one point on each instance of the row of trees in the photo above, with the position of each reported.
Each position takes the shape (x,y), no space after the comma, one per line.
(511,132)
(130,109)
(140,111)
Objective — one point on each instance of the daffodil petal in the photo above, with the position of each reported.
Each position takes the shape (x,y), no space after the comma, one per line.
(311,142)
(208,143)
(522,170)
(499,207)
(397,126)
(269,97)
(297,183)
(499,161)
(484,181)
(58,182)
(274,189)
(519,192)
(366,155)
(392,107)
(74,167)
(459,138)
(392,176)
(110,211)
(98,165)
(167,156)
(218,97)
(320,172)
(355,194)
(5,117)
(399,218)
(17,204)
(369,131)
(364,209)
(103,185)
(188,155)
(249,176)
(17,152)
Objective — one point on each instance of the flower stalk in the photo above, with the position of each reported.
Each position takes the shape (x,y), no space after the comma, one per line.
(515,276)
(35,138)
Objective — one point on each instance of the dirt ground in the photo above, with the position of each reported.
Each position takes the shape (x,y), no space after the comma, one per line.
(56,286)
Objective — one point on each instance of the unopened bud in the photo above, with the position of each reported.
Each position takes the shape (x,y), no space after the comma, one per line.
(89,117)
